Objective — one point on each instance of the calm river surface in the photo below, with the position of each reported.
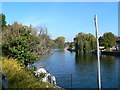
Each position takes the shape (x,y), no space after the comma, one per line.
(80,71)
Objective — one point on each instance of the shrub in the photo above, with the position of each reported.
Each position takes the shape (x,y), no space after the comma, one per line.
(20,46)
(18,77)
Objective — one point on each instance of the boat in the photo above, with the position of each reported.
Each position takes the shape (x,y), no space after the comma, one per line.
(113,52)
(71,49)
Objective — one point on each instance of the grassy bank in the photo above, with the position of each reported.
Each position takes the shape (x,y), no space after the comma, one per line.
(18,77)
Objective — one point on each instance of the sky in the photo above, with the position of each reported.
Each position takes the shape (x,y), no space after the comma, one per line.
(64,18)
(60,0)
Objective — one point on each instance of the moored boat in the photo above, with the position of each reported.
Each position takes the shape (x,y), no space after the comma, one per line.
(113,52)
(71,49)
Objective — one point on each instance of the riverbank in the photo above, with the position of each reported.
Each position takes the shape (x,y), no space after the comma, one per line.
(47,53)
(19,77)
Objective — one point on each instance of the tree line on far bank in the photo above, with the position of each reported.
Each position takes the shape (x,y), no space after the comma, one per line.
(26,43)
(87,42)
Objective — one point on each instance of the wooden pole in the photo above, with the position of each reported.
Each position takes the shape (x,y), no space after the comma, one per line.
(98,53)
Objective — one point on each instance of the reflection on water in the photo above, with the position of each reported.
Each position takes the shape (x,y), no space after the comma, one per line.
(83,68)
(109,70)
(86,66)
(85,59)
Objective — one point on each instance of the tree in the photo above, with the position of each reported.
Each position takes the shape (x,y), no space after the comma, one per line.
(85,42)
(107,40)
(2,20)
(25,41)
(60,42)
(26,44)
(18,43)
(45,41)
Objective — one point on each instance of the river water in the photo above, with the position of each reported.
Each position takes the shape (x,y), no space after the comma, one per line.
(80,71)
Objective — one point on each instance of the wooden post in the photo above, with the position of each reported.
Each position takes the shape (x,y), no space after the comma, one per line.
(98,53)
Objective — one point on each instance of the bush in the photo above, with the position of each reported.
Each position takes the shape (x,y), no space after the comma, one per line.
(19,46)
(18,77)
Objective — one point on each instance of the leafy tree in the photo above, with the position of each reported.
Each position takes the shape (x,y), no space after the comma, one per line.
(20,49)
(60,42)
(25,43)
(2,20)
(85,42)
(107,40)
(45,42)
(18,43)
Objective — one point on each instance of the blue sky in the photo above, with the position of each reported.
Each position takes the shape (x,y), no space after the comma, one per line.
(64,18)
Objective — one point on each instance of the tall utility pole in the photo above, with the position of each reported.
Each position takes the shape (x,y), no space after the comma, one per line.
(98,53)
